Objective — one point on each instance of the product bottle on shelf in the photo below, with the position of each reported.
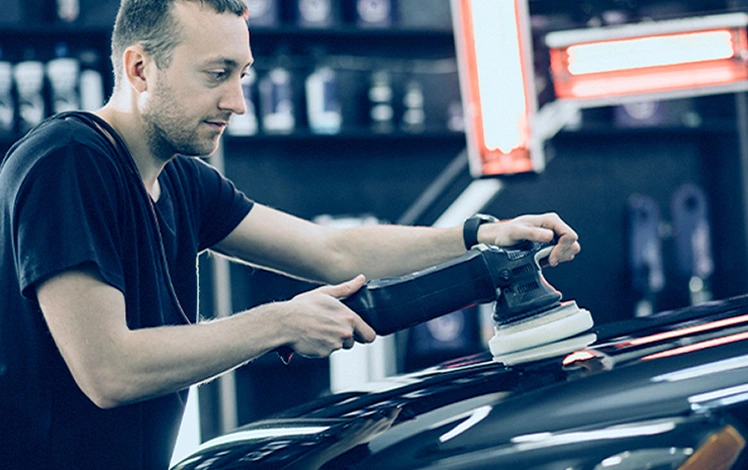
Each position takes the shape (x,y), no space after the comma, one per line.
(381,112)
(63,73)
(29,79)
(323,104)
(455,117)
(7,104)
(317,13)
(414,116)
(276,101)
(375,13)
(246,124)
(68,10)
(91,83)
(264,12)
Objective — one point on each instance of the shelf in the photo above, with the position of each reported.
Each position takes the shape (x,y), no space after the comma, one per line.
(349,39)
(350,134)
(350,31)
(39,41)
(307,136)
(719,126)
(56,30)
(363,135)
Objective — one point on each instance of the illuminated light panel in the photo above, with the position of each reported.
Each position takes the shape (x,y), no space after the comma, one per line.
(494,56)
(649,52)
(651,57)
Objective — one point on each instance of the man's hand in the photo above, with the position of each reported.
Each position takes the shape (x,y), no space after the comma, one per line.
(537,228)
(320,323)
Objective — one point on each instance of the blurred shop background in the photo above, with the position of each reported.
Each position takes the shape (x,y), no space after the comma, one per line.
(355,117)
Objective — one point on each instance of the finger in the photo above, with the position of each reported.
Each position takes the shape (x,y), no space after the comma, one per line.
(564,233)
(569,240)
(564,251)
(531,233)
(344,289)
(567,253)
(362,332)
(567,245)
(348,343)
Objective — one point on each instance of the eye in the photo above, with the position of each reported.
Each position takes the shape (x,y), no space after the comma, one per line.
(217,75)
(244,73)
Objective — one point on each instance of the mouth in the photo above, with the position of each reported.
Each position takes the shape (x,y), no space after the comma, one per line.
(217,125)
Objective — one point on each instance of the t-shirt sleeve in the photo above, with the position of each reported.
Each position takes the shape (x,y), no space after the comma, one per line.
(66,216)
(222,205)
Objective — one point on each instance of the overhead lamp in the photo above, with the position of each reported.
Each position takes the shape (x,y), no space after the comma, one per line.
(654,59)
(494,53)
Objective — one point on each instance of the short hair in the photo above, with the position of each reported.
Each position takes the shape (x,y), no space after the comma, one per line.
(152,25)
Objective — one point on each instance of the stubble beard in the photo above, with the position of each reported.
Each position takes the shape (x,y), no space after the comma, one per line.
(169,130)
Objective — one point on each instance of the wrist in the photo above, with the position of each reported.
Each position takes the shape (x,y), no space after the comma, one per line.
(471,226)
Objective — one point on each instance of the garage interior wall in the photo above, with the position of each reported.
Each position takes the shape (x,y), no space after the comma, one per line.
(593,168)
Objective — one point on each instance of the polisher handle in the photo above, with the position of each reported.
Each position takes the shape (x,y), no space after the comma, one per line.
(393,304)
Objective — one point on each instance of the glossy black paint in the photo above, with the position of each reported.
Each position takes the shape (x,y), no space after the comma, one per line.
(650,392)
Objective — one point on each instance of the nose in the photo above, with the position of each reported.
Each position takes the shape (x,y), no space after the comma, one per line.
(233,98)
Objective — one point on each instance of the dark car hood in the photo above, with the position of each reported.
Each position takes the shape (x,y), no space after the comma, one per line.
(665,379)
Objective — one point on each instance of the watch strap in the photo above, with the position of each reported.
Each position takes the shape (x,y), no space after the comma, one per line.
(470,228)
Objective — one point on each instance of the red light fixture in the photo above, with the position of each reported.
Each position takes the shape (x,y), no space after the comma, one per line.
(663,59)
(494,53)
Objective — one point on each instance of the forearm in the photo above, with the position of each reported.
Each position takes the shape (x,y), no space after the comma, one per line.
(115,365)
(273,240)
(168,359)
(313,323)
(134,365)
(389,250)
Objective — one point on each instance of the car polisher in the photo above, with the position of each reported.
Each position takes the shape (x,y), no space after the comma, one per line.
(531,321)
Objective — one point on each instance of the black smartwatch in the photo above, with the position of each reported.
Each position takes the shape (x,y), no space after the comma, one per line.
(470,228)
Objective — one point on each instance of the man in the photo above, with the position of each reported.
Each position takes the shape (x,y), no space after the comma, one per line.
(102,217)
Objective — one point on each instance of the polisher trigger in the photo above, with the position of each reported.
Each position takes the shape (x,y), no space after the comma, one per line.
(543,254)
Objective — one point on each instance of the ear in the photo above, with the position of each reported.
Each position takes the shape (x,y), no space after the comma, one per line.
(135,62)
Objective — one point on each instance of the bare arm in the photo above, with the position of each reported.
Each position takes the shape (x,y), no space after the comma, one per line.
(114,365)
(284,243)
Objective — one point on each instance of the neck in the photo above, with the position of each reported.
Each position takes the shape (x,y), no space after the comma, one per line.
(149,165)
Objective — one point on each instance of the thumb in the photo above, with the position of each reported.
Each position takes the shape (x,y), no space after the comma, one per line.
(346,288)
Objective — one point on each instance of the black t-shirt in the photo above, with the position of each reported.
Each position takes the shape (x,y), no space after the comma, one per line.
(71,198)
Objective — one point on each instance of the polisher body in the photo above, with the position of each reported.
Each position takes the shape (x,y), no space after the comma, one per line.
(527,310)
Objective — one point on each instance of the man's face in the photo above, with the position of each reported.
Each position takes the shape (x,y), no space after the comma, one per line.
(189,103)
